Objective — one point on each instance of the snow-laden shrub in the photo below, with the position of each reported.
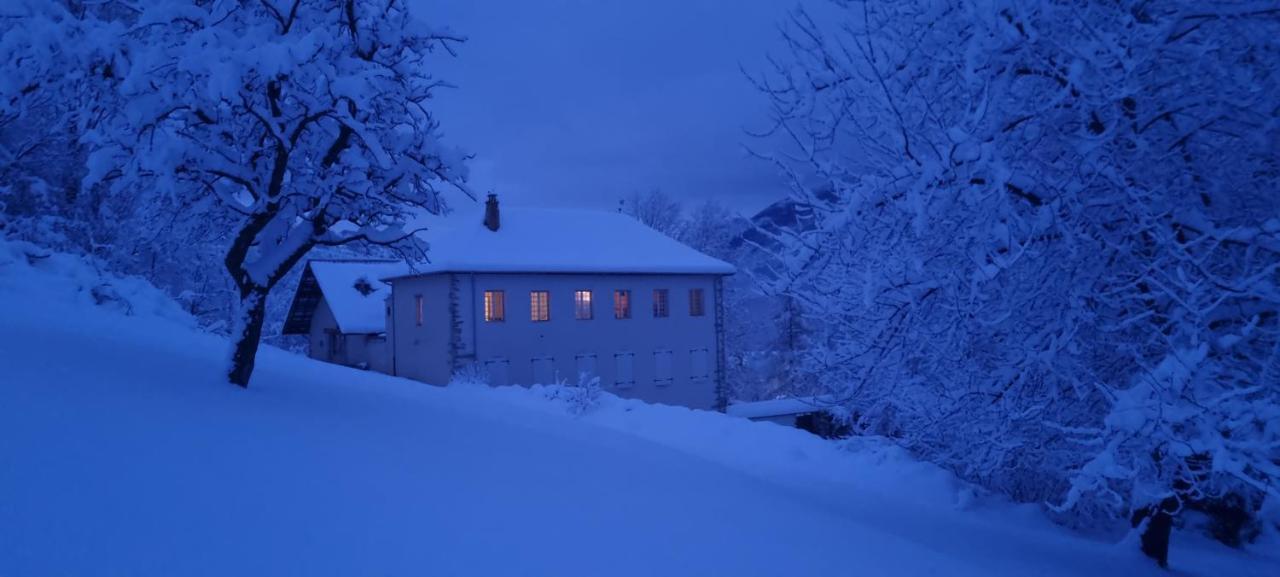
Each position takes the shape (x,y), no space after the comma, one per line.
(579,398)
(470,374)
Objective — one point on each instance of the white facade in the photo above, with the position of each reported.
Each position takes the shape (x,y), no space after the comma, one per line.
(430,322)
(327,342)
(673,359)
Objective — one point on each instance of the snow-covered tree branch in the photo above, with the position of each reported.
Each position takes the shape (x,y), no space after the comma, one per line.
(308,121)
(1043,237)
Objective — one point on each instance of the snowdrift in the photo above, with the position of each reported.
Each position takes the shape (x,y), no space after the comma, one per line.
(123,453)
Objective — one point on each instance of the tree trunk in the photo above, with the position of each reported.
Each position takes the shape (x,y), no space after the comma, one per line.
(253,309)
(1155,536)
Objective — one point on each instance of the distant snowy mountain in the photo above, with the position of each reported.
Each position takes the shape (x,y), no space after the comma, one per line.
(123,452)
(758,243)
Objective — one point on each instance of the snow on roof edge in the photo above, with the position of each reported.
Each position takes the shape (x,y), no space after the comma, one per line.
(353,311)
(778,407)
(430,270)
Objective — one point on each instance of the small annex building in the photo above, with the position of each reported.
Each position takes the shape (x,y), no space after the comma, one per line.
(341,307)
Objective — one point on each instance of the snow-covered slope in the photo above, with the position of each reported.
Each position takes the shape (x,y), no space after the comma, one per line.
(122,453)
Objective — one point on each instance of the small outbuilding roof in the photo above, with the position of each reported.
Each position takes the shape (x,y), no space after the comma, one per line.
(778,407)
(540,240)
(352,288)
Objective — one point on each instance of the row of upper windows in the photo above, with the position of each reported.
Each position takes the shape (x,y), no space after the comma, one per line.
(495,304)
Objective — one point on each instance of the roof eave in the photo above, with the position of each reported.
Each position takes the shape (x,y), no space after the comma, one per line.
(558,272)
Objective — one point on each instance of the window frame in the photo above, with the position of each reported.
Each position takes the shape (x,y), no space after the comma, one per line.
(622,304)
(544,305)
(661,306)
(495,311)
(698,305)
(578,308)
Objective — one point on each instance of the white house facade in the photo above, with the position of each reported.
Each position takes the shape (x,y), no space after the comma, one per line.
(530,296)
(654,337)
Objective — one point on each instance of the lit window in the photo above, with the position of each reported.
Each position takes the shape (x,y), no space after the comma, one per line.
(621,304)
(417,309)
(697,308)
(660,308)
(582,305)
(539,306)
(495,306)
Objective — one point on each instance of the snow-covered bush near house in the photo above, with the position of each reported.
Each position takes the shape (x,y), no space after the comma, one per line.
(137,459)
(579,397)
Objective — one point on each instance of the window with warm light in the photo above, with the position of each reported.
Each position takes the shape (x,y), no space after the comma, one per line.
(495,306)
(660,301)
(621,304)
(539,306)
(582,305)
(697,307)
(418,309)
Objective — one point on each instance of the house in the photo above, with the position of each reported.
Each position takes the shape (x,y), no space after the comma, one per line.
(341,307)
(529,296)
(542,296)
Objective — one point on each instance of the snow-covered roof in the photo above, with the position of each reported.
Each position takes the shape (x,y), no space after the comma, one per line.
(353,289)
(532,240)
(776,407)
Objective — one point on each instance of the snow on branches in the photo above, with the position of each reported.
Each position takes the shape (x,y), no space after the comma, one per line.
(307,120)
(1042,237)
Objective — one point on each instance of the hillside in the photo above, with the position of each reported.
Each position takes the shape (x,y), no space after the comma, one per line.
(123,453)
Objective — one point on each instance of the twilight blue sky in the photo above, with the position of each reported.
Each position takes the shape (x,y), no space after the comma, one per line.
(579,102)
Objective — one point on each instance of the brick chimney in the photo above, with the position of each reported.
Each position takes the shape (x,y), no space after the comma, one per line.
(491,220)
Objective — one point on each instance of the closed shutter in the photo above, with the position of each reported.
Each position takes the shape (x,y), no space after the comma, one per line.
(544,370)
(624,369)
(662,367)
(585,366)
(498,371)
(699,368)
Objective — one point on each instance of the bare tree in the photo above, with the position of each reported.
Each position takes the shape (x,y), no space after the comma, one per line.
(656,210)
(305,121)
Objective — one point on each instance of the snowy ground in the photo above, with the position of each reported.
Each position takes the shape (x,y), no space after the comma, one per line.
(122,453)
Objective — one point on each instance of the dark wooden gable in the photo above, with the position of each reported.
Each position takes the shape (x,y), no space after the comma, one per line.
(305,301)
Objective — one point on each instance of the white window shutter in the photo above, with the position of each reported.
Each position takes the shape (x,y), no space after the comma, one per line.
(544,370)
(585,366)
(662,367)
(625,374)
(699,368)
(498,370)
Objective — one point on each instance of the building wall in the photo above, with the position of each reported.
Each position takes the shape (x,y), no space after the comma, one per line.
(322,323)
(421,352)
(357,350)
(518,350)
(377,352)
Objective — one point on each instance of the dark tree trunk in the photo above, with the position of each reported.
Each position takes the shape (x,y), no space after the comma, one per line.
(253,309)
(1155,537)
